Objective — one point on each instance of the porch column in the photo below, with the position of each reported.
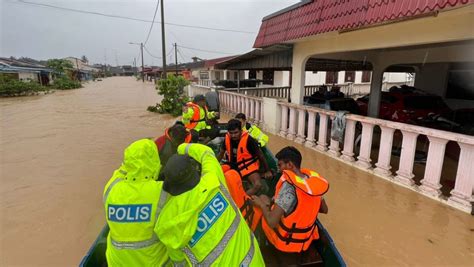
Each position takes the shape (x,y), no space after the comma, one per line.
(375,92)
(225,75)
(297,78)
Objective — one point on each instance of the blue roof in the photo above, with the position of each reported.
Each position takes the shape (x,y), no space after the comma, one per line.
(14,69)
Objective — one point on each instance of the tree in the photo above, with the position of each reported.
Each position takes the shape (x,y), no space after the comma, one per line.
(84,58)
(59,65)
(172,90)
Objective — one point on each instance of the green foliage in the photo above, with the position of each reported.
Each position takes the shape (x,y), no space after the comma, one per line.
(59,65)
(13,87)
(64,83)
(172,90)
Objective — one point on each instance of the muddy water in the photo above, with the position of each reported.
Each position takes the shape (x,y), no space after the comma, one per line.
(58,151)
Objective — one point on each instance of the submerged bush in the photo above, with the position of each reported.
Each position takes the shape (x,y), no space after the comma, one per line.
(64,83)
(13,87)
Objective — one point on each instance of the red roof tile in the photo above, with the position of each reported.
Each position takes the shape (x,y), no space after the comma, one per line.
(320,16)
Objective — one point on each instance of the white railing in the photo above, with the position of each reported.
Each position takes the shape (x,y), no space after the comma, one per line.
(272,92)
(193,90)
(207,83)
(353,89)
(251,106)
(301,124)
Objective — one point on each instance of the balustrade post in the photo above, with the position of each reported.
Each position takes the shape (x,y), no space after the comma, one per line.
(301,126)
(292,125)
(310,141)
(247,107)
(257,112)
(434,165)
(385,152)
(405,171)
(252,110)
(241,104)
(348,152)
(462,195)
(323,131)
(334,149)
(363,160)
(284,121)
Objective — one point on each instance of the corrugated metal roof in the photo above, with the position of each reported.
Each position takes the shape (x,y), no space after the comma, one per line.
(211,62)
(320,16)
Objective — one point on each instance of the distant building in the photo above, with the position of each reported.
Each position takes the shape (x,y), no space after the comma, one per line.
(25,70)
(81,70)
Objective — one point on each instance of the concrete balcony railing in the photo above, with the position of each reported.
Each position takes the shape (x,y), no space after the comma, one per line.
(207,83)
(301,123)
(234,103)
(274,92)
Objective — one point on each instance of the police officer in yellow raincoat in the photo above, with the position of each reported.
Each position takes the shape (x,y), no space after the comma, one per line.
(200,224)
(132,200)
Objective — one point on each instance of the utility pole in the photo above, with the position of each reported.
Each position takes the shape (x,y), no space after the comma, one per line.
(143,64)
(135,65)
(163,46)
(176,57)
(105,62)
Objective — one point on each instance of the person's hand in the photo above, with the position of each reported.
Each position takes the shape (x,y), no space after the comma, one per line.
(268,175)
(256,201)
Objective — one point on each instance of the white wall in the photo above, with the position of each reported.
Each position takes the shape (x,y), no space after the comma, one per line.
(318,78)
(395,77)
(281,78)
(27,76)
(340,77)
(259,75)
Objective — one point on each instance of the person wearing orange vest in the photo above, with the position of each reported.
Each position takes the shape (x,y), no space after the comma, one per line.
(196,118)
(244,155)
(289,223)
(242,200)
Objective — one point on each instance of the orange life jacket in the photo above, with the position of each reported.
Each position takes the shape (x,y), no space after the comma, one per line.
(246,162)
(298,229)
(196,115)
(161,141)
(187,139)
(234,183)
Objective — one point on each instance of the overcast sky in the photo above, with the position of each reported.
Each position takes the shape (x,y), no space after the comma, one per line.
(42,32)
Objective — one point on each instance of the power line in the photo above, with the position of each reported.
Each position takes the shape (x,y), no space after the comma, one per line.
(130,18)
(182,57)
(202,50)
(149,53)
(152,22)
(171,51)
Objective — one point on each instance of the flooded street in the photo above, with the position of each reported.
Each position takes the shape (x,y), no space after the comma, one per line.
(58,151)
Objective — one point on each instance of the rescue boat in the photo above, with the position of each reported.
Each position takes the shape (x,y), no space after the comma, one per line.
(322,252)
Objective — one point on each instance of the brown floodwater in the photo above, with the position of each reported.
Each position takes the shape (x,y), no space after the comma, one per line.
(58,151)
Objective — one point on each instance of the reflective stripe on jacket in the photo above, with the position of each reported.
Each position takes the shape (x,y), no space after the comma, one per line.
(258,135)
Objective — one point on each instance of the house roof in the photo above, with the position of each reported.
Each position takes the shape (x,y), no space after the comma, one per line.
(208,63)
(18,65)
(273,57)
(312,17)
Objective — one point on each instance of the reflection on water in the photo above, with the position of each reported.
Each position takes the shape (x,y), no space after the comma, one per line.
(57,151)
